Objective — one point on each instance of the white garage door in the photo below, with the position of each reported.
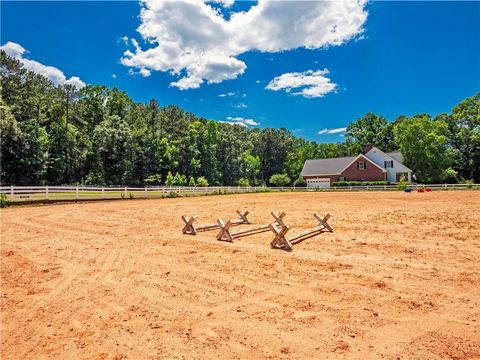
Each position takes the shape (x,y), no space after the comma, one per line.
(321,183)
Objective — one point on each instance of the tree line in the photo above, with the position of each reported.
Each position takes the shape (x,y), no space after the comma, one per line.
(53,134)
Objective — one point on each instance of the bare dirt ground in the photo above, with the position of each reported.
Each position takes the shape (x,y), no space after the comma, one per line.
(399,278)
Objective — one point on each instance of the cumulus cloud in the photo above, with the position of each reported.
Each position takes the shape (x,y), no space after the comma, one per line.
(205,48)
(240,121)
(310,84)
(332,131)
(52,73)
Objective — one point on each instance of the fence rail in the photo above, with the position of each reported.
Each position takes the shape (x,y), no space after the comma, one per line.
(18,194)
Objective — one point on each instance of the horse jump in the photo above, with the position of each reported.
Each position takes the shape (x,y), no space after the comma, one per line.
(226,235)
(280,241)
(189,228)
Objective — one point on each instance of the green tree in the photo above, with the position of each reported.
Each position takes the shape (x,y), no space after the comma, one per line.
(423,143)
(113,143)
(369,129)
(251,167)
(464,137)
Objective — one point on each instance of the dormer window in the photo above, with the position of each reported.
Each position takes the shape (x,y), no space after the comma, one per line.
(388,164)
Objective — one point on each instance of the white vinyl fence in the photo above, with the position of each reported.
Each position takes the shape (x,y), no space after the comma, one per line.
(16,194)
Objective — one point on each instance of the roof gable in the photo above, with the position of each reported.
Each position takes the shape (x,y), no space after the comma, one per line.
(331,166)
(388,157)
(361,156)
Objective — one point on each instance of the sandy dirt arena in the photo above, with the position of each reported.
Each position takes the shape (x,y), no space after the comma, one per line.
(399,278)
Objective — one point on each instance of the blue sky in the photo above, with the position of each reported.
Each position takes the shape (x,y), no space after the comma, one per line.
(397,58)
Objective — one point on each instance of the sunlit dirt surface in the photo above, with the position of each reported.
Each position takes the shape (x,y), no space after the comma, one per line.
(398,278)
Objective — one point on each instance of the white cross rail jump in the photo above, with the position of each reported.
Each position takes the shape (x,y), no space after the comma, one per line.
(226,235)
(191,229)
(280,241)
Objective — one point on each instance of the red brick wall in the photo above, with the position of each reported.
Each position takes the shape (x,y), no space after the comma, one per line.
(371,172)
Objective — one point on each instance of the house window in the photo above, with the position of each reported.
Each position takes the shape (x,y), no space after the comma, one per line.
(341,178)
(361,165)
(388,164)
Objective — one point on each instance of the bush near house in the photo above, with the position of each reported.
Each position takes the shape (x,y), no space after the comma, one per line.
(279,179)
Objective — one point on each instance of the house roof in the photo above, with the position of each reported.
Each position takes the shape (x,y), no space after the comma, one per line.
(326,166)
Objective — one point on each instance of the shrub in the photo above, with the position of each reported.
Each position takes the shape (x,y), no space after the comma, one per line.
(243,182)
(95,179)
(359,183)
(172,194)
(450,176)
(300,181)
(402,185)
(130,195)
(201,181)
(169,181)
(279,179)
(191,181)
(3,200)
(179,180)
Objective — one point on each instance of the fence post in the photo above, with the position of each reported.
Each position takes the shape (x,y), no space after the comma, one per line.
(76,193)
(125,193)
(103,192)
(146,192)
(11,193)
(46,192)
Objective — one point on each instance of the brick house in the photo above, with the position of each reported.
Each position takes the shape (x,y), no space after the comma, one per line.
(372,165)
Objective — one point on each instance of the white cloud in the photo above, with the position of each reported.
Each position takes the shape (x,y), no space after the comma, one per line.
(231,93)
(258,81)
(205,48)
(240,121)
(310,84)
(52,73)
(145,72)
(114,76)
(240,105)
(332,131)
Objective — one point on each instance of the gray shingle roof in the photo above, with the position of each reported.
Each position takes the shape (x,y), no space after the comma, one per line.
(326,166)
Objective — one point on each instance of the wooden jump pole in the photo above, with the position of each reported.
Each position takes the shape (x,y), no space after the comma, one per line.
(280,240)
(226,235)
(189,227)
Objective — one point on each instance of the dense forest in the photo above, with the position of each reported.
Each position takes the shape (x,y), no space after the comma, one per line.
(62,135)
